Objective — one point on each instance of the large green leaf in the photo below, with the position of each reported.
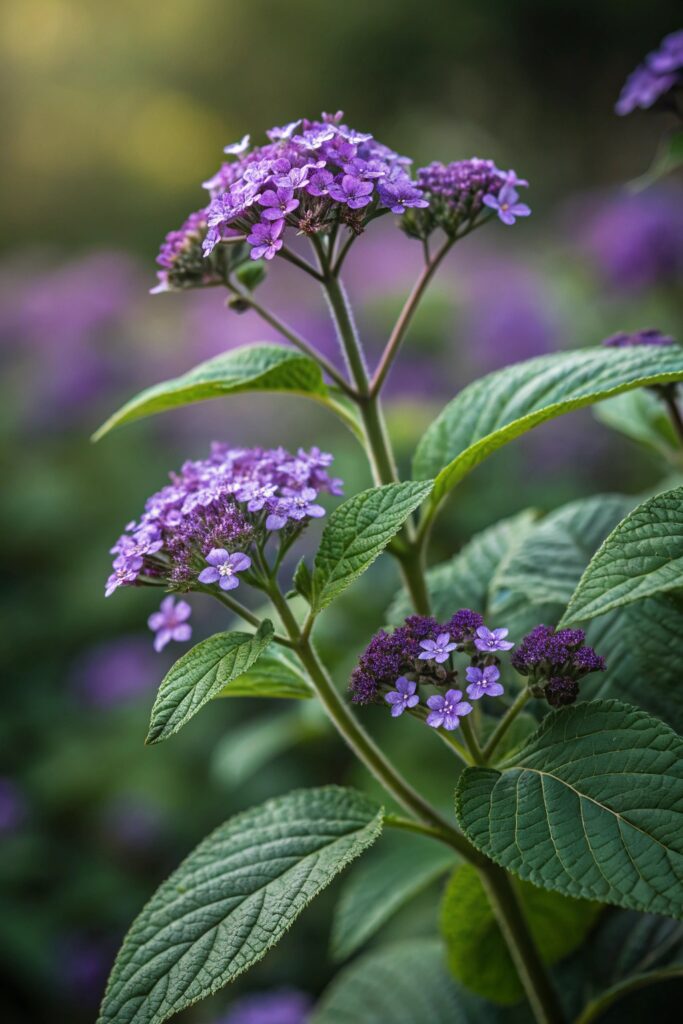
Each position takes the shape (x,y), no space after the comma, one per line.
(591,806)
(641,557)
(478,956)
(641,415)
(357,532)
(463,581)
(277,673)
(201,674)
(404,983)
(502,406)
(233,898)
(262,367)
(399,868)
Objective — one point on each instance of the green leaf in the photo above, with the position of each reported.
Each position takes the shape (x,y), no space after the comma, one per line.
(590,807)
(642,416)
(233,899)
(641,557)
(396,871)
(500,407)
(303,582)
(405,983)
(201,674)
(275,674)
(243,753)
(478,956)
(357,532)
(250,368)
(463,581)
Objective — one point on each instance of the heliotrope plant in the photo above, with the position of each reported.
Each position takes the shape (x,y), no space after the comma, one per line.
(555,811)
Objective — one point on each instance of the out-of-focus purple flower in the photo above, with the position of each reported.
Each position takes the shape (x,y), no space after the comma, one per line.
(237,148)
(115,672)
(401,196)
(657,76)
(507,205)
(483,682)
(490,640)
(83,964)
(223,568)
(438,650)
(447,710)
(283,1006)
(170,622)
(265,239)
(132,824)
(648,336)
(12,806)
(635,240)
(403,696)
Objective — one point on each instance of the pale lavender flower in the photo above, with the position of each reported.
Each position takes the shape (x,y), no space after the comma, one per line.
(125,573)
(352,191)
(483,682)
(284,133)
(223,568)
(237,148)
(294,505)
(403,697)
(492,639)
(437,650)
(278,203)
(170,622)
(447,710)
(506,204)
(265,240)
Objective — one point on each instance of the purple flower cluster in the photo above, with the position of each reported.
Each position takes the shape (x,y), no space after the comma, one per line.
(554,661)
(197,529)
(283,1006)
(648,336)
(183,262)
(420,653)
(309,176)
(660,72)
(457,193)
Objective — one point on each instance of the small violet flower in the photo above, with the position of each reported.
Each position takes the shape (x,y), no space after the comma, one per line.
(437,650)
(265,239)
(403,696)
(483,682)
(506,204)
(295,505)
(492,639)
(401,195)
(236,148)
(352,191)
(447,710)
(278,202)
(222,568)
(170,622)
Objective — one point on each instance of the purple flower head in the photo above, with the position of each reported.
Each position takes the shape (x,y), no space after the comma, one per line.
(546,655)
(457,194)
(490,640)
(463,625)
(483,682)
(401,195)
(655,78)
(403,697)
(278,202)
(507,205)
(437,650)
(649,336)
(170,623)
(561,691)
(114,673)
(351,190)
(265,239)
(447,710)
(286,1006)
(669,56)
(181,257)
(223,568)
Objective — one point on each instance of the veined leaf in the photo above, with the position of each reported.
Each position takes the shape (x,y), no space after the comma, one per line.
(500,407)
(261,367)
(642,416)
(276,673)
(233,898)
(641,557)
(591,806)
(478,956)
(357,532)
(399,868)
(201,674)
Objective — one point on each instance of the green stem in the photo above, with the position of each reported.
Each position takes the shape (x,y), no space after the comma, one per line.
(597,1006)
(239,609)
(409,825)
(504,724)
(471,740)
(513,925)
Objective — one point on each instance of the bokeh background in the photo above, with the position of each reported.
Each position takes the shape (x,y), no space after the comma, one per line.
(114,113)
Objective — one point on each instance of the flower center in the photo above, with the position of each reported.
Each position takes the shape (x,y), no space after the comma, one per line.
(225,569)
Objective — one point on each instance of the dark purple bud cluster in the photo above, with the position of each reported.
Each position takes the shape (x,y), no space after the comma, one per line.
(656,78)
(554,661)
(182,259)
(648,336)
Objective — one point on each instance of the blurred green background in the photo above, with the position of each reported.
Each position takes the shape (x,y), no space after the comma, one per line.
(114,114)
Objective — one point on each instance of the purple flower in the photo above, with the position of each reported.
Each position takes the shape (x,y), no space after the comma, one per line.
(653,79)
(265,239)
(401,195)
(648,336)
(555,661)
(483,682)
(125,573)
(319,183)
(506,204)
(447,710)
(114,672)
(669,56)
(352,191)
(223,568)
(437,650)
(561,691)
(287,1006)
(492,639)
(170,622)
(285,132)
(237,148)
(294,505)
(278,203)
(403,696)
